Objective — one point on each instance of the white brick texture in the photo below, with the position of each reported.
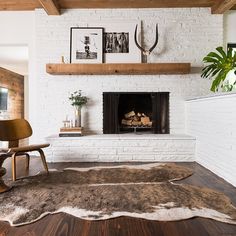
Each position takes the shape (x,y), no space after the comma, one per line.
(212,122)
(119,148)
(185,35)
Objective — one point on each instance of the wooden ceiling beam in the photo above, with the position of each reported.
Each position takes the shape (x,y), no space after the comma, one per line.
(221,6)
(50,6)
(19,5)
(71,4)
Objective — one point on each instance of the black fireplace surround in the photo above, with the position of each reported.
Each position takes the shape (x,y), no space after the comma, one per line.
(154,105)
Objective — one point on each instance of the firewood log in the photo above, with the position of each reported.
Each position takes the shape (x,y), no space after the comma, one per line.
(129,114)
(145,120)
(136,118)
(126,122)
(136,123)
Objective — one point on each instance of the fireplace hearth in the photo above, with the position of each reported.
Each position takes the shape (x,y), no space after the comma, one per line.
(135,112)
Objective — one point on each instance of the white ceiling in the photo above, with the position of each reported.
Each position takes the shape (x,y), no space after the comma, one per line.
(14,58)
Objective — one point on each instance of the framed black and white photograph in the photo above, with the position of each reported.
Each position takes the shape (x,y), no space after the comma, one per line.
(119,45)
(116,42)
(86,45)
(233,46)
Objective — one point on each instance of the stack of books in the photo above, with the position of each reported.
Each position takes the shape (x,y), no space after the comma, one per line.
(71,132)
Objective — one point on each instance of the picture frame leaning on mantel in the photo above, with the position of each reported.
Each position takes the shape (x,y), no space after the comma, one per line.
(118,41)
(86,45)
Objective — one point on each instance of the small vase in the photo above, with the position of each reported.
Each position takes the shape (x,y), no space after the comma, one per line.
(77,116)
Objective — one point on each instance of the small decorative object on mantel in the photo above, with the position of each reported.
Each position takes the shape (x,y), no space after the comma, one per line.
(78,101)
(66,122)
(222,67)
(62,59)
(145,52)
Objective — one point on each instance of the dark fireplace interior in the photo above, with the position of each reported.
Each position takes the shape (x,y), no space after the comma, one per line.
(135,112)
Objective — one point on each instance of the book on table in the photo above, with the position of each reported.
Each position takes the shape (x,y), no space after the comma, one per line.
(71,132)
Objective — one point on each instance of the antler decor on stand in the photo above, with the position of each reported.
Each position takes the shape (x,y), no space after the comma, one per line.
(145,52)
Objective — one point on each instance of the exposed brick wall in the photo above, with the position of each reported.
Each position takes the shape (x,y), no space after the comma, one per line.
(122,148)
(186,35)
(15,85)
(212,121)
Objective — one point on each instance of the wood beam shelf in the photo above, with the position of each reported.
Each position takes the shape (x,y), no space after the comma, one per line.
(119,69)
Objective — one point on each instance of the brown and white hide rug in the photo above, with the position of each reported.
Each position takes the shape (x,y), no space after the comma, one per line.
(145,191)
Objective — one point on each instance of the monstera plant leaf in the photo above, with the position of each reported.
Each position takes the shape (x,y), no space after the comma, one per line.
(218,66)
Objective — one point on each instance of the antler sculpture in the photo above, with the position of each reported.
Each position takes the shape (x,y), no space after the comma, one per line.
(144,51)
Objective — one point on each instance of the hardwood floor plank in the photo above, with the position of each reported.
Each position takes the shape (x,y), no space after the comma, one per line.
(220,228)
(62,224)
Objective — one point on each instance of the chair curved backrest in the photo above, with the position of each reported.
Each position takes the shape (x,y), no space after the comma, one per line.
(12,130)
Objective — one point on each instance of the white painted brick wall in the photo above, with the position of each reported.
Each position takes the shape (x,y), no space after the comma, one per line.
(212,122)
(120,148)
(186,35)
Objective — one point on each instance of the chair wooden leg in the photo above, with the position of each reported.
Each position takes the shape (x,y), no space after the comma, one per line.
(43,159)
(27,161)
(3,186)
(13,165)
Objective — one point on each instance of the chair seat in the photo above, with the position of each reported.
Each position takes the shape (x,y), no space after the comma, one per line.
(29,148)
(13,131)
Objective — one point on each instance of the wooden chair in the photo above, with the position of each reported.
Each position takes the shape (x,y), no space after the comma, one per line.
(14,130)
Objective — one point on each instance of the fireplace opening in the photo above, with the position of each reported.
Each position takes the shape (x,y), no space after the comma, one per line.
(135,112)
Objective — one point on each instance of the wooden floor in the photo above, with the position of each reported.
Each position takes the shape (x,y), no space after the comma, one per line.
(62,224)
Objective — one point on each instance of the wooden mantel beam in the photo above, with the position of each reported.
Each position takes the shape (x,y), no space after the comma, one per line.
(221,6)
(119,69)
(50,6)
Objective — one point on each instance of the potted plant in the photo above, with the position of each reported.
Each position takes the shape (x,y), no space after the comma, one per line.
(78,101)
(221,66)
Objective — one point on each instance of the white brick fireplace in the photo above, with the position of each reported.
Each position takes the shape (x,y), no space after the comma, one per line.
(185,35)
(124,147)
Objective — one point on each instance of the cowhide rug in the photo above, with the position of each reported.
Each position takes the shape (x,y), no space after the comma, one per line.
(145,191)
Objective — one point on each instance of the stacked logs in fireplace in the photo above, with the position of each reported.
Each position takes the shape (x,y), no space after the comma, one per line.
(154,105)
(139,119)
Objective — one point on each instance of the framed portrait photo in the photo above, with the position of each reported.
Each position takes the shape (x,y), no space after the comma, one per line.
(86,45)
